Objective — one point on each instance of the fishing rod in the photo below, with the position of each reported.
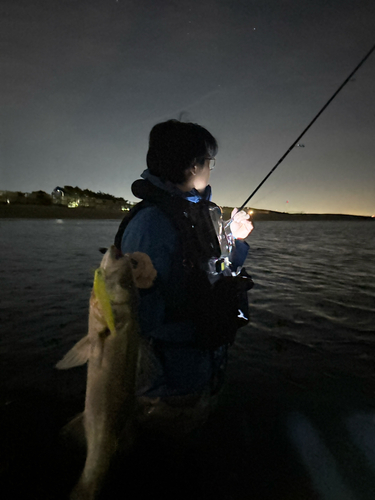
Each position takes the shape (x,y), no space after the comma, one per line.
(306,129)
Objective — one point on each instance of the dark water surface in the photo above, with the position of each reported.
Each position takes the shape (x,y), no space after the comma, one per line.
(297,415)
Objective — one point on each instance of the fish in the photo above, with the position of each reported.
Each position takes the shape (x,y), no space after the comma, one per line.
(111,349)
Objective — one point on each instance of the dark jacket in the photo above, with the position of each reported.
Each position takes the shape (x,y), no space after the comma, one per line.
(181,366)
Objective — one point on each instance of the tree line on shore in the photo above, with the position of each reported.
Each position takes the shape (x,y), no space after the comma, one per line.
(67,195)
(74,197)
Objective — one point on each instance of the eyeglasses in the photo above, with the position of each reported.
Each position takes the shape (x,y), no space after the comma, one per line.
(212,162)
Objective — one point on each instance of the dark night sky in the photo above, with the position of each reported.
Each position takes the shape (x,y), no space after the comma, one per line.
(83,81)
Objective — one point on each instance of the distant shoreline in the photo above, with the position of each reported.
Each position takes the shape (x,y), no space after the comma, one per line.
(15,211)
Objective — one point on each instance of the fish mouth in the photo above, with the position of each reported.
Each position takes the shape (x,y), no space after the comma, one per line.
(114,252)
(117,254)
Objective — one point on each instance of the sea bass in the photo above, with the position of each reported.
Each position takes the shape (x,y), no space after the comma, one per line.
(111,348)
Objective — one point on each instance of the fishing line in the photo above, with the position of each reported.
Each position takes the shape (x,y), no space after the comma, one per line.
(306,129)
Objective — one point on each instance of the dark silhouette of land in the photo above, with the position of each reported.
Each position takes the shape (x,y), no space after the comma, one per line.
(74,203)
(18,211)
(270,215)
(15,211)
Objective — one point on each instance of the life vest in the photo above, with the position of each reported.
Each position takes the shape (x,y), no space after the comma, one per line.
(213,295)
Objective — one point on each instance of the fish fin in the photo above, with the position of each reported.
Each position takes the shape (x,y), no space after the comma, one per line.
(78,355)
(73,433)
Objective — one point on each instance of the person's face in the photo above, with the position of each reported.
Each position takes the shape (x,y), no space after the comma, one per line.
(202,176)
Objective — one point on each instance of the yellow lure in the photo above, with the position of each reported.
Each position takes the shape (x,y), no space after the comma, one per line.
(104,299)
